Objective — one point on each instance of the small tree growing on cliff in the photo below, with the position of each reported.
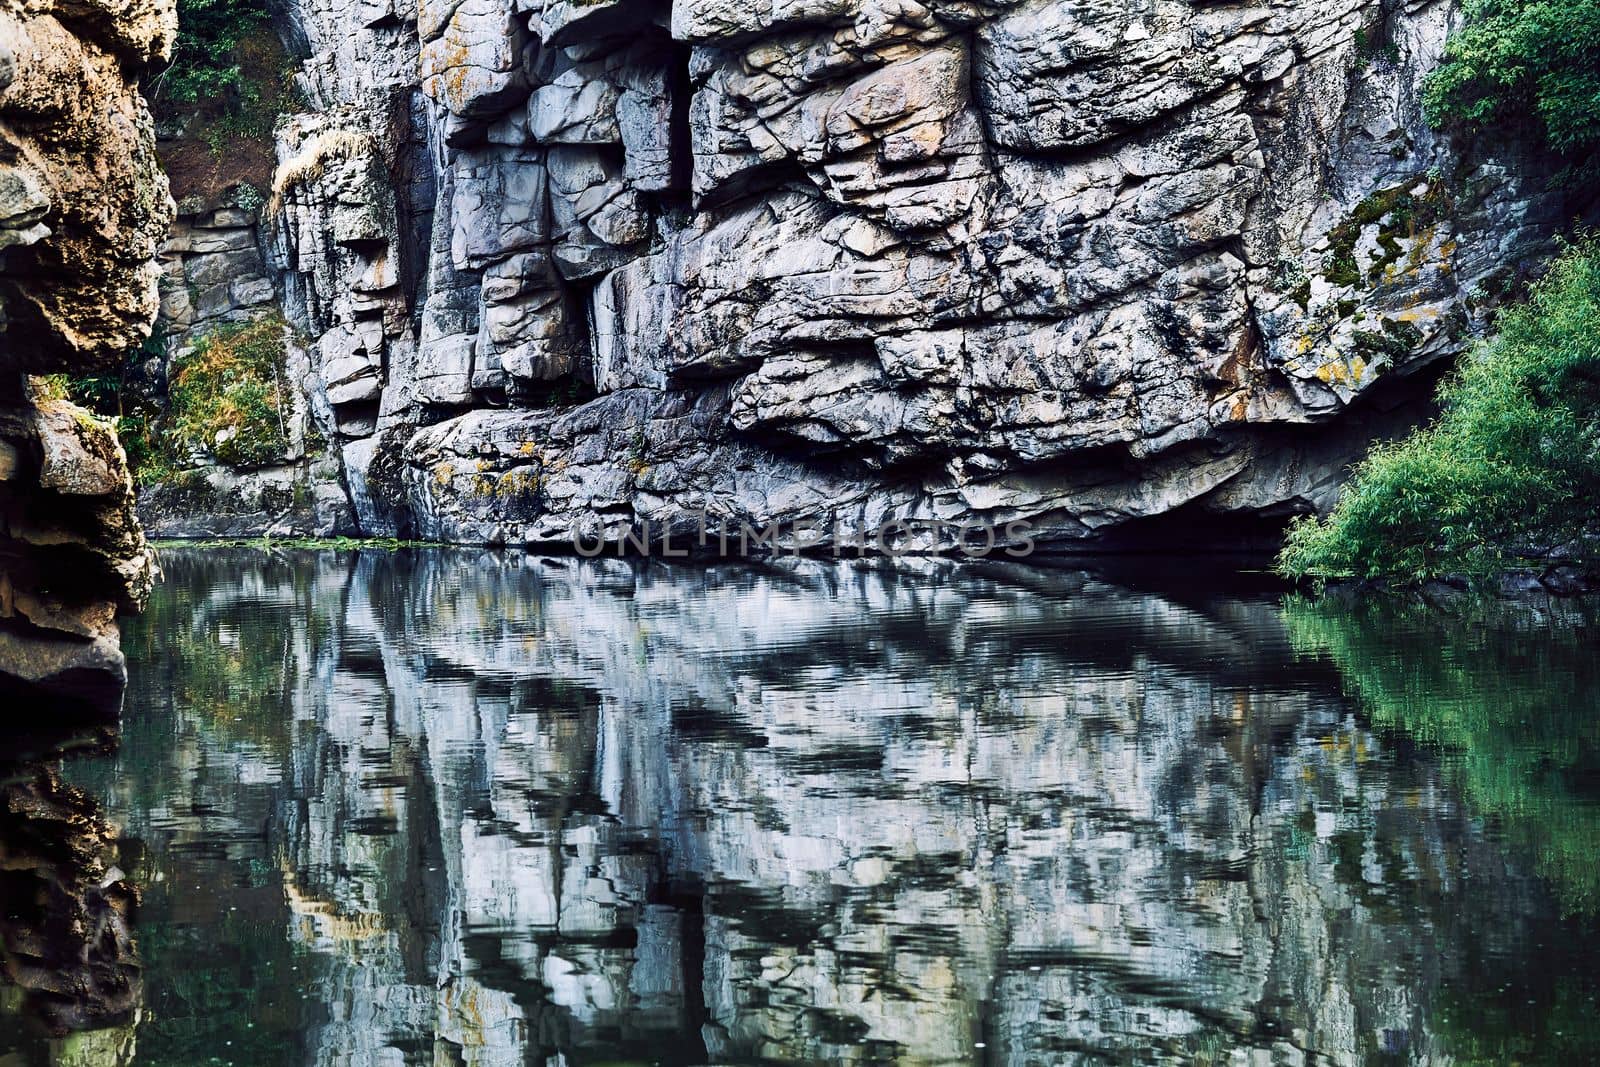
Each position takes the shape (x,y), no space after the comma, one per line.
(1513,60)
(205,58)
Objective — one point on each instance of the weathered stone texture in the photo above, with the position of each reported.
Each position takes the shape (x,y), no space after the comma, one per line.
(83,208)
(83,205)
(66,937)
(990,260)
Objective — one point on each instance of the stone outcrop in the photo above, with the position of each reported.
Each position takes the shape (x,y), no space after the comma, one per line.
(83,205)
(83,208)
(212,272)
(593,266)
(218,292)
(72,555)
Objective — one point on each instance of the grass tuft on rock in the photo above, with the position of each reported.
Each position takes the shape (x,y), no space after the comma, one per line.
(1510,469)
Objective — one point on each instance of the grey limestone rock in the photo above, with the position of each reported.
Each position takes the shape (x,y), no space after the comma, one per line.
(1074,264)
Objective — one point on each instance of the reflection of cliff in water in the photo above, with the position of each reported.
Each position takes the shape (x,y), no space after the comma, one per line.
(482,809)
(1509,690)
(67,958)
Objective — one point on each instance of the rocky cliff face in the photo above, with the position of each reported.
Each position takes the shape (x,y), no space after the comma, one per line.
(83,207)
(564,268)
(215,280)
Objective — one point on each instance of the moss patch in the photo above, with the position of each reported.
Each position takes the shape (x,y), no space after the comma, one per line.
(1398,213)
(189,491)
(1395,341)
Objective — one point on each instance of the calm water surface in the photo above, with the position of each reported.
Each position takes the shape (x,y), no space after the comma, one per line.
(457,808)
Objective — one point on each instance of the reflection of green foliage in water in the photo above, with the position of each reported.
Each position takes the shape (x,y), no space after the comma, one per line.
(216,665)
(1560,1029)
(232,668)
(217,991)
(1512,701)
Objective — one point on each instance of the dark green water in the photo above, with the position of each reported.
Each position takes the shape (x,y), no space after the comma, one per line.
(461,808)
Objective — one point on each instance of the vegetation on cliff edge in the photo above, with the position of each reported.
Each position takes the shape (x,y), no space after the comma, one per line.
(1511,467)
(206,61)
(219,99)
(228,398)
(1514,60)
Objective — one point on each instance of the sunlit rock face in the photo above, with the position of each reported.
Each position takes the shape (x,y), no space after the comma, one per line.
(850,260)
(496,811)
(83,208)
(83,205)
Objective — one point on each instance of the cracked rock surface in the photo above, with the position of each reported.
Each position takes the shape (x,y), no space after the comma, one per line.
(567,267)
(83,208)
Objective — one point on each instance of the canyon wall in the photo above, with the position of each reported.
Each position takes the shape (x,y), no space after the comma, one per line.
(83,208)
(557,269)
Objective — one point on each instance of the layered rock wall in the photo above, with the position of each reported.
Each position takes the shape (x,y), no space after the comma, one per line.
(66,942)
(83,207)
(581,268)
(216,282)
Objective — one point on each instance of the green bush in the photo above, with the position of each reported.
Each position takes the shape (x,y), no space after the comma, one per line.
(227,84)
(226,397)
(1511,467)
(206,62)
(1515,59)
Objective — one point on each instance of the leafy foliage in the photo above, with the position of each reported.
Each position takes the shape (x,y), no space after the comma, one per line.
(121,398)
(228,82)
(206,61)
(227,398)
(1510,467)
(1509,698)
(1516,59)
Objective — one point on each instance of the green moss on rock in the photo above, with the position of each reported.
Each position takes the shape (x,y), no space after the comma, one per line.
(1395,341)
(1398,212)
